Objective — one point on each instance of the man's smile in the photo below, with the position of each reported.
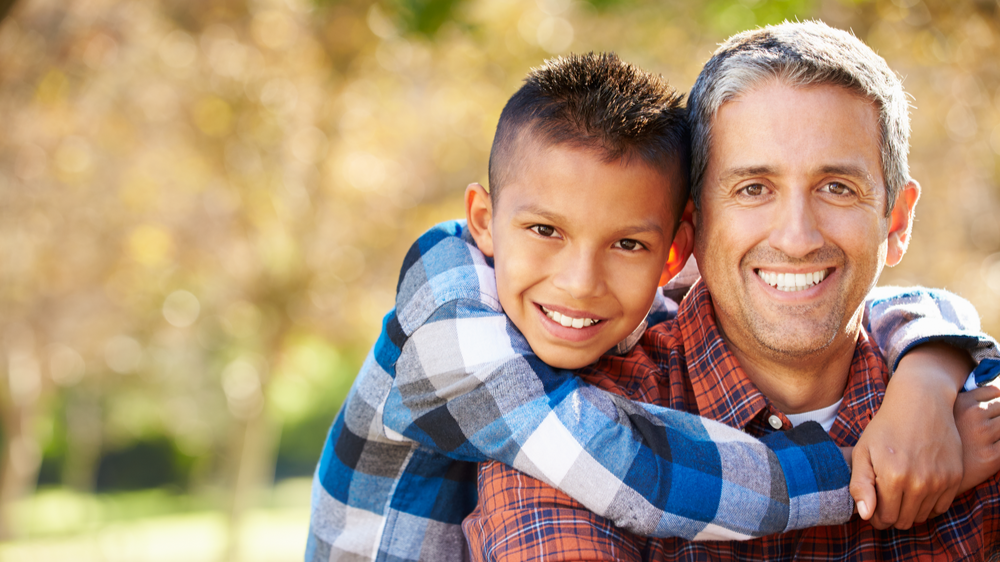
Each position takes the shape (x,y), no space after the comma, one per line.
(791,282)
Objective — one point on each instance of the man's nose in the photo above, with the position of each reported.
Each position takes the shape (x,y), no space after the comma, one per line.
(795,230)
(581,274)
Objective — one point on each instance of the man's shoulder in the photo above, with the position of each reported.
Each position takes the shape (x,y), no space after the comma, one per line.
(443,266)
(661,337)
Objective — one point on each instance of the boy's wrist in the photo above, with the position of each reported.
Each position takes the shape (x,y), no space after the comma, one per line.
(935,367)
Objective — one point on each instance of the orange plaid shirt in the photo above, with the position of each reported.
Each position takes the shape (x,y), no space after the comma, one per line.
(685,364)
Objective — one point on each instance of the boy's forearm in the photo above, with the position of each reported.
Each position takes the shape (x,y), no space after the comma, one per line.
(593,445)
(939,367)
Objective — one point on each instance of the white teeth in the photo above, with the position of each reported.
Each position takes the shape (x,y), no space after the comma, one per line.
(791,282)
(569,321)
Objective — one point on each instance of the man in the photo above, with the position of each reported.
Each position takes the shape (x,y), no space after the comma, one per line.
(802,194)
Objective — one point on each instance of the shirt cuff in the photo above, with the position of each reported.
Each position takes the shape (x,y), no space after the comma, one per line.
(979,348)
(986,372)
(816,476)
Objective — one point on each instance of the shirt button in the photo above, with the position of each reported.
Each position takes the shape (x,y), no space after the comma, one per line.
(775,422)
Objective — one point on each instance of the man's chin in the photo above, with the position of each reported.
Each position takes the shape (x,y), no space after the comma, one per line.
(794,338)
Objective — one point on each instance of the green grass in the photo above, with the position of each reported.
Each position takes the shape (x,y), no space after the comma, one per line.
(58,525)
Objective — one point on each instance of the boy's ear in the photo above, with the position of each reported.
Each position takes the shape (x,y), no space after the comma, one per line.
(688,213)
(479,215)
(901,222)
(680,251)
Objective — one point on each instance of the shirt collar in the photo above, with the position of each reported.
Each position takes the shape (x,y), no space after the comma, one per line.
(725,393)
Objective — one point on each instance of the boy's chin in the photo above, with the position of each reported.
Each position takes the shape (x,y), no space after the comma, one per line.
(570,359)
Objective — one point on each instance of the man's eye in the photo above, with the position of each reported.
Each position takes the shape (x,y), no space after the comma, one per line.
(543,230)
(755,190)
(837,188)
(629,245)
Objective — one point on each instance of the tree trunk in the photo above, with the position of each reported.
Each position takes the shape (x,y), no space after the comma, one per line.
(84,428)
(18,403)
(254,467)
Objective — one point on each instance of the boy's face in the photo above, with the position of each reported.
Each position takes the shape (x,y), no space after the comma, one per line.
(578,246)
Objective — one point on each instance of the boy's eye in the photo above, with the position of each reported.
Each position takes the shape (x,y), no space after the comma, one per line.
(543,230)
(629,245)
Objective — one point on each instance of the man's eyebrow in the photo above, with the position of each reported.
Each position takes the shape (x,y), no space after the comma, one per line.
(848,170)
(746,172)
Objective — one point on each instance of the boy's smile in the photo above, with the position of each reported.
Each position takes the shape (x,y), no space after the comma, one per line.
(578,245)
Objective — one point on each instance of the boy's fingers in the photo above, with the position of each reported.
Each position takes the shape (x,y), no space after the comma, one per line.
(991,407)
(984,393)
(943,503)
(863,483)
(936,491)
(927,507)
(908,511)
(887,512)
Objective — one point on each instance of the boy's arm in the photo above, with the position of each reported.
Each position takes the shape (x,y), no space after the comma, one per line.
(467,385)
(912,448)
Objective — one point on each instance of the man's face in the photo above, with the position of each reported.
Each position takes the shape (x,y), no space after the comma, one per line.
(791,233)
(579,246)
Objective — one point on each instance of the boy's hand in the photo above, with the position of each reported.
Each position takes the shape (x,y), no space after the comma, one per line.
(977,414)
(907,464)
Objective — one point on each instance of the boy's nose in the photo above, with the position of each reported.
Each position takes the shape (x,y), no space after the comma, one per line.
(581,275)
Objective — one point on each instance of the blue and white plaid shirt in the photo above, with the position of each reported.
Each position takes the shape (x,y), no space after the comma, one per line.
(451,382)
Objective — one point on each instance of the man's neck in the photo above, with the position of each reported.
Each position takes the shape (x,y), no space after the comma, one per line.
(799,383)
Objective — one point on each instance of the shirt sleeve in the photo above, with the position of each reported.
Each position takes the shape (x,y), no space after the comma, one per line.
(901,318)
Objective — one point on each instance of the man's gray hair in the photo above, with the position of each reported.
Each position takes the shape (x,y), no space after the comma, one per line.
(802,54)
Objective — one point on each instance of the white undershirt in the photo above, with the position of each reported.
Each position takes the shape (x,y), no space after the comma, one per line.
(824,416)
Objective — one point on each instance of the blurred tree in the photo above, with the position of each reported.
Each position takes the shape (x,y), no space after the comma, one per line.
(5,7)
(204,205)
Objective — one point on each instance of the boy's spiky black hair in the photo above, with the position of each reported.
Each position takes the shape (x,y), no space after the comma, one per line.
(597,102)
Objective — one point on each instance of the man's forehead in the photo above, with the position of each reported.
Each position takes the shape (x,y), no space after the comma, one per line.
(779,129)
(778,83)
(778,107)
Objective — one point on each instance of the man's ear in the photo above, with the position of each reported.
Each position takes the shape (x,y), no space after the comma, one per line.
(479,215)
(901,222)
(680,251)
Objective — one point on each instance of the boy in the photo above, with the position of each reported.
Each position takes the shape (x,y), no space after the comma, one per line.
(559,263)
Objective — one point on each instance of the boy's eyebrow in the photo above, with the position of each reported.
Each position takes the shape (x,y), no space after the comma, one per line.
(636,228)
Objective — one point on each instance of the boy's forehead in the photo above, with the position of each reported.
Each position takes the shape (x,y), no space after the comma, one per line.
(532,152)
(544,173)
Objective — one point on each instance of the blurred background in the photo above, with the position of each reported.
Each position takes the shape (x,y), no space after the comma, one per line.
(204,206)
